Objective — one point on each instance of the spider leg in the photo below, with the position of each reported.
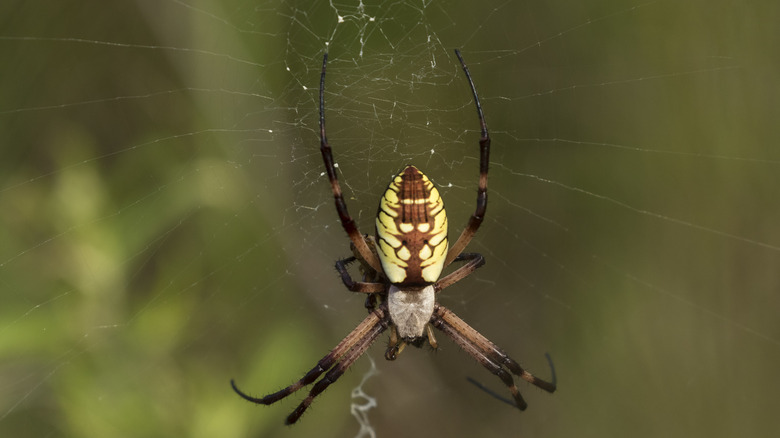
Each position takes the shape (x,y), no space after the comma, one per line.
(346,361)
(474,260)
(486,353)
(507,401)
(341,206)
(356,286)
(478,354)
(484,159)
(370,303)
(342,356)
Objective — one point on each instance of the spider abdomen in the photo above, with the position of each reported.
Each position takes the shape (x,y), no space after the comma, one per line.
(410,310)
(411,230)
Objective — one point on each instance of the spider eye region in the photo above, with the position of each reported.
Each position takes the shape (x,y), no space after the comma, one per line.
(411,230)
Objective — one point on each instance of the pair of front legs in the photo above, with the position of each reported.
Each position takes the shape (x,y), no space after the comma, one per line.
(338,360)
(488,354)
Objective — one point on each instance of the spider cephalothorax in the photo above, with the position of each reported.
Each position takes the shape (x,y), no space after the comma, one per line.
(401,269)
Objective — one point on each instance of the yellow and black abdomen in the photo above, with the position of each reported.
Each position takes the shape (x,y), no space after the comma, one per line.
(411,230)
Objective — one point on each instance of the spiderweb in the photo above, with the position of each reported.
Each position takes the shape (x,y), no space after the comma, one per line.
(166,224)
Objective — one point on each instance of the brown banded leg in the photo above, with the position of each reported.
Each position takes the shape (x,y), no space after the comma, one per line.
(484,159)
(486,353)
(341,207)
(346,361)
(474,261)
(356,286)
(342,356)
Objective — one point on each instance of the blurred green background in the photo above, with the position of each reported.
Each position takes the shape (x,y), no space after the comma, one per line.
(166,225)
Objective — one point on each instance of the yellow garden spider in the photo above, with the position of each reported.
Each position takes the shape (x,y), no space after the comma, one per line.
(401,268)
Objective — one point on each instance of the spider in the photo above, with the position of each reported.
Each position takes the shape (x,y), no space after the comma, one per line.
(401,270)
